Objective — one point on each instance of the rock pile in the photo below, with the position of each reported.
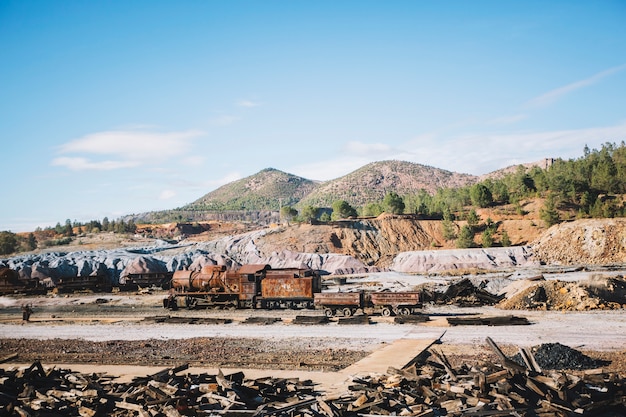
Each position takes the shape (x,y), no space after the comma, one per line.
(556,356)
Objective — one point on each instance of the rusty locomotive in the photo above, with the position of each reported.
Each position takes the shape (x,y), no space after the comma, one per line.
(250,286)
(259,286)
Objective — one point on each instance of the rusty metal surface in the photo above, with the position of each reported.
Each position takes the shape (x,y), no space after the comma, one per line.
(395,298)
(287,287)
(334,299)
(253,268)
(210,278)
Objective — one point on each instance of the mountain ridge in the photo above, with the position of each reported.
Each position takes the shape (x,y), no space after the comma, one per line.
(270,189)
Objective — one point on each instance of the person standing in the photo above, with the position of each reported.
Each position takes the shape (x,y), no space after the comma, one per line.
(26,312)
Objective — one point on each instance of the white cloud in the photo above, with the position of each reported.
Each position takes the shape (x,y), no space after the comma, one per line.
(248,103)
(84,164)
(131,148)
(480,153)
(557,93)
(167,195)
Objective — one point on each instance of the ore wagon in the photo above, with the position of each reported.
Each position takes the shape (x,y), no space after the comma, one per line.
(11,283)
(346,303)
(385,303)
(400,303)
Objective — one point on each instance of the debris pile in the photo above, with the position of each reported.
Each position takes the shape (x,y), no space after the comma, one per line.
(429,386)
(602,294)
(462,293)
(558,356)
(37,392)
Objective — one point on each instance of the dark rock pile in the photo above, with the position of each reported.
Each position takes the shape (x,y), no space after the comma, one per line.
(556,356)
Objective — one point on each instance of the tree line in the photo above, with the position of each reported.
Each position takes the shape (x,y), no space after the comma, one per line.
(60,234)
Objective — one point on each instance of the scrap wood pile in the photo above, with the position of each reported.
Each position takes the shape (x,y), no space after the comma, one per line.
(60,392)
(429,386)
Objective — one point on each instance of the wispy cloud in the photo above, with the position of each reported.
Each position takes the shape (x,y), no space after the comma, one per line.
(476,153)
(84,164)
(481,153)
(167,195)
(124,149)
(223,120)
(557,93)
(248,103)
(507,120)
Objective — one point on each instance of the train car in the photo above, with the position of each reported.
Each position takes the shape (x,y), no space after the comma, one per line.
(289,288)
(346,303)
(11,283)
(96,283)
(392,303)
(383,302)
(145,280)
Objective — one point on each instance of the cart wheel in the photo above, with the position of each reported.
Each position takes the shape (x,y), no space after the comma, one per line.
(386,312)
(347,312)
(328,312)
(405,311)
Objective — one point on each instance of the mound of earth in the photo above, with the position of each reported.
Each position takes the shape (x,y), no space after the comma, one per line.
(594,294)
(583,242)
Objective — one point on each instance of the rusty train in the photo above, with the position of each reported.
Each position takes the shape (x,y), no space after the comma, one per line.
(253,286)
(250,286)
(259,286)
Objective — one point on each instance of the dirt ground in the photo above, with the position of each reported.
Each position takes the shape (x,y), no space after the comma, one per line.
(121,330)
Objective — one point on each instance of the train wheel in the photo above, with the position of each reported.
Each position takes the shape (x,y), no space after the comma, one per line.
(328,312)
(405,311)
(191,302)
(386,312)
(347,312)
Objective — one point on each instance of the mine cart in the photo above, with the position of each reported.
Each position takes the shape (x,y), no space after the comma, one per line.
(146,280)
(391,303)
(97,283)
(11,283)
(346,303)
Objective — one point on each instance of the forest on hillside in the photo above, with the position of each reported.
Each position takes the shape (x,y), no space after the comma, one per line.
(591,186)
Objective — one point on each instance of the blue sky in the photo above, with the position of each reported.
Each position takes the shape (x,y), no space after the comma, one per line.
(116,107)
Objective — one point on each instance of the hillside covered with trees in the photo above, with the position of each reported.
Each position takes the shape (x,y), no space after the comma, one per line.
(592,186)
